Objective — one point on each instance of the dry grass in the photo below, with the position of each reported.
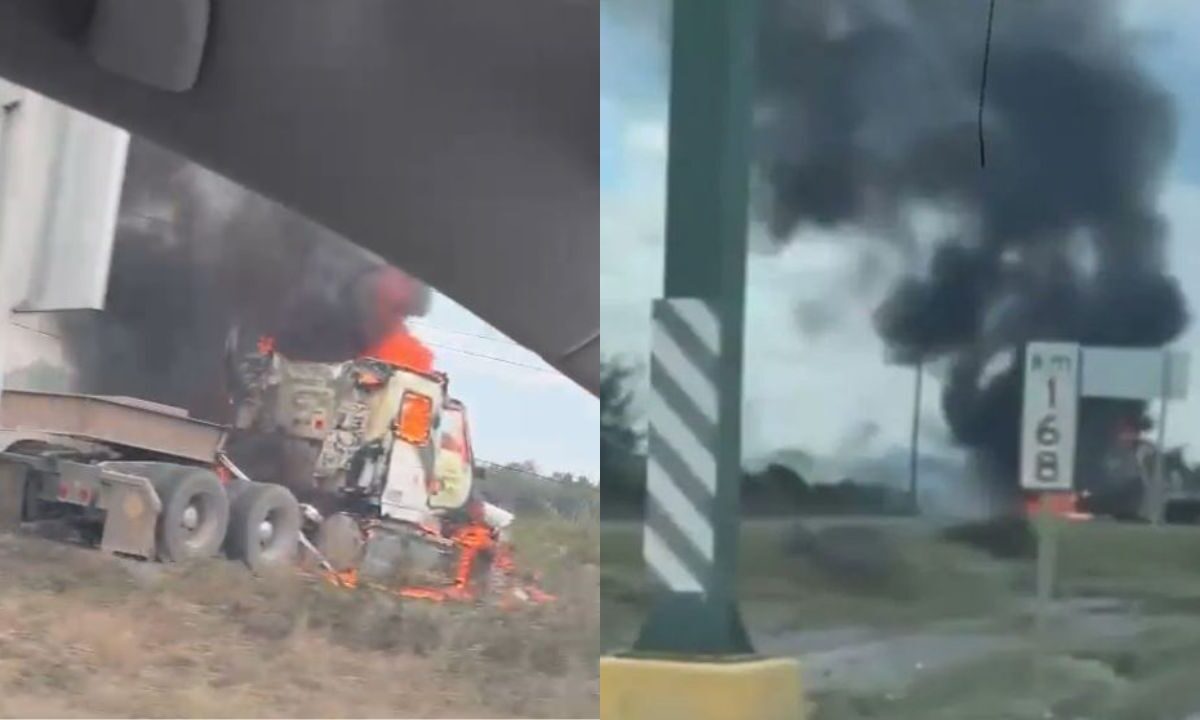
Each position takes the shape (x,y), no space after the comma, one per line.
(82,635)
(791,577)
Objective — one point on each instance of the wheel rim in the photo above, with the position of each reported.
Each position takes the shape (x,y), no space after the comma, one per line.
(192,517)
(266,530)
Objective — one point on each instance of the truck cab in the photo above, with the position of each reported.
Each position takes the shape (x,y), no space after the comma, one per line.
(380,439)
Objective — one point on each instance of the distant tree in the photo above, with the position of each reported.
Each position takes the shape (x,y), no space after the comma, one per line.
(775,488)
(622,465)
(616,426)
(525,466)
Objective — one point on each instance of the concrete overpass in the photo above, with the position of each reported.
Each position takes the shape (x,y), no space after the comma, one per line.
(458,139)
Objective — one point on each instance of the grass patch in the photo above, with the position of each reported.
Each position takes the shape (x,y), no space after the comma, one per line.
(1151,675)
(795,575)
(1127,560)
(551,543)
(83,635)
(795,578)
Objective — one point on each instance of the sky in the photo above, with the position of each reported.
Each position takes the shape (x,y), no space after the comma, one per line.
(833,394)
(519,407)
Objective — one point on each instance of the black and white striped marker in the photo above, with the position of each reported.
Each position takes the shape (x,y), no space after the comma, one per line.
(682,461)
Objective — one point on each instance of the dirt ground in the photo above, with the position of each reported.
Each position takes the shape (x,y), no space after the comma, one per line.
(86,635)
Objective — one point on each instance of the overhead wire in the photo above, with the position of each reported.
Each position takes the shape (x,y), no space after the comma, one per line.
(492,338)
(483,356)
(987,52)
(492,358)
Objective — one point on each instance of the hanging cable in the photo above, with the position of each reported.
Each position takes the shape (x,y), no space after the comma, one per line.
(491,358)
(987,52)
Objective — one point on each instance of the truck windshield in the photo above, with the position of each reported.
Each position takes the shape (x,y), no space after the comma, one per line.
(453,433)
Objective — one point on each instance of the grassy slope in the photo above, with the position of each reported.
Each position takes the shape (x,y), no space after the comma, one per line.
(82,635)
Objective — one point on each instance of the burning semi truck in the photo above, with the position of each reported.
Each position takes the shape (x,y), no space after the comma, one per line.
(1122,484)
(1117,473)
(378,485)
(374,459)
(380,455)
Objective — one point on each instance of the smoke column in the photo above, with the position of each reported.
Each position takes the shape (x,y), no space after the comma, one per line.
(869,110)
(197,255)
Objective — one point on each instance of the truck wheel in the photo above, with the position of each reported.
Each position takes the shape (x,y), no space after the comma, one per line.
(195,514)
(341,541)
(264,526)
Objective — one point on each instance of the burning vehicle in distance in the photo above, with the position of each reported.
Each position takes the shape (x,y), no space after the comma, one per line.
(1122,483)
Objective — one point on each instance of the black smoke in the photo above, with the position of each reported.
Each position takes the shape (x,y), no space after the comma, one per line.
(869,109)
(198,257)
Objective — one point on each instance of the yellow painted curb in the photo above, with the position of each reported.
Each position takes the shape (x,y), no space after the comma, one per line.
(754,689)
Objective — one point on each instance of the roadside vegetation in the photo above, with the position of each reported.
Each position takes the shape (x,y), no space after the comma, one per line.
(86,635)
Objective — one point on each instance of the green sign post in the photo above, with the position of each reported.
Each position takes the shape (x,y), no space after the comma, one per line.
(696,372)
(693,658)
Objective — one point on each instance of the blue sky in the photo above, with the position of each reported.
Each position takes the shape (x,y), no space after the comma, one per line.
(835,396)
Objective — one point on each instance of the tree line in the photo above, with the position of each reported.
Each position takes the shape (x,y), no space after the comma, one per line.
(776,489)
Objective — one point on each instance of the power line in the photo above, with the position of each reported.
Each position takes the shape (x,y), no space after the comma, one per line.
(491,338)
(492,358)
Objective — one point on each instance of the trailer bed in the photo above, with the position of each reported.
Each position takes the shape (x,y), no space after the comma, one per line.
(121,421)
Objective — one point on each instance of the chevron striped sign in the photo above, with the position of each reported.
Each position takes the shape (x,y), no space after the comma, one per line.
(681,476)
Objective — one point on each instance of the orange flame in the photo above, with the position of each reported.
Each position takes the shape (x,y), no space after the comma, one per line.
(471,540)
(1064,505)
(394,293)
(346,579)
(402,349)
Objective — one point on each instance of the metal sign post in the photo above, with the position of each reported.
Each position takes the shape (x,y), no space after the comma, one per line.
(1159,491)
(694,453)
(1056,376)
(1050,415)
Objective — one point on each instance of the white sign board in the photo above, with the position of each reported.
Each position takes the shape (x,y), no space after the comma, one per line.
(1135,373)
(1049,416)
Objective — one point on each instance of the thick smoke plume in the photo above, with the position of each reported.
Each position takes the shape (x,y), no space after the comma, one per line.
(197,257)
(869,110)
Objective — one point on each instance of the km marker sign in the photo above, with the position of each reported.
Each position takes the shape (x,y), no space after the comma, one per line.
(1058,374)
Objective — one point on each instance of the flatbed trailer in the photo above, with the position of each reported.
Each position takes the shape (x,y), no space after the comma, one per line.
(140,479)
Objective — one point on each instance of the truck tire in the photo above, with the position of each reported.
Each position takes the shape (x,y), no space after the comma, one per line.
(341,541)
(264,526)
(195,513)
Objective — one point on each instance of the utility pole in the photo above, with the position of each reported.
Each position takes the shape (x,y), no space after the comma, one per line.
(915,442)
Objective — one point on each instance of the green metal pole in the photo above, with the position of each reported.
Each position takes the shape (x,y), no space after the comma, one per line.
(707,197)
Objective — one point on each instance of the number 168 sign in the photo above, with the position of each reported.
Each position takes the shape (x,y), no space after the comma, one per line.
(1049,416)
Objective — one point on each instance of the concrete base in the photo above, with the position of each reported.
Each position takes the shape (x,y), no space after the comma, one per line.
(650,689)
